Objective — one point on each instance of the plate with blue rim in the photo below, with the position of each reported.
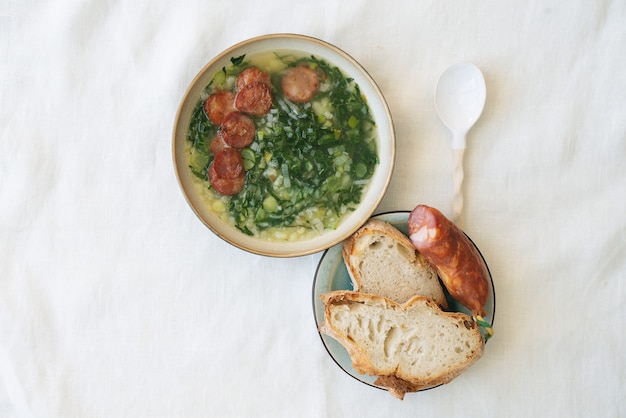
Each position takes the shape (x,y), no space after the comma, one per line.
(331,274)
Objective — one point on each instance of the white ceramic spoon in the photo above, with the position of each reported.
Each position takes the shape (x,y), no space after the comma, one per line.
(459,100)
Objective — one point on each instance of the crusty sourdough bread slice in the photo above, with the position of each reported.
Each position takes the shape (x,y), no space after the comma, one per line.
(381,260)
(409,347)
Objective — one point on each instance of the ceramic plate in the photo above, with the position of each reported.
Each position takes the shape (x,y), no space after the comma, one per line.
(332,274)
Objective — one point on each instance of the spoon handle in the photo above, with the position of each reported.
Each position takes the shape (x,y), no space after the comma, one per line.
(457,178)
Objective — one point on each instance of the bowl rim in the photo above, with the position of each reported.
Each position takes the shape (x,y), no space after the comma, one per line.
(296,248)
(347,368)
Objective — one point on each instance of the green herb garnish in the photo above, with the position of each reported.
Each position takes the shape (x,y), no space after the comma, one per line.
(486,325)
(308,164)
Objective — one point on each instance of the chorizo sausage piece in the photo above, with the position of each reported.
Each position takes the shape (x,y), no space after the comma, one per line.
(254,99)
(237,130)
(228,163)
(253,75)
(458,262)
(217,144)
(300,83)
(227,187)
(218,105)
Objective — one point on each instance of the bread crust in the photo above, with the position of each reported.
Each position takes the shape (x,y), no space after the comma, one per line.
(353,253)
(394,380)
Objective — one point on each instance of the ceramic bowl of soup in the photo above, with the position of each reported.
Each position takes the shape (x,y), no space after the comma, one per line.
(283,145)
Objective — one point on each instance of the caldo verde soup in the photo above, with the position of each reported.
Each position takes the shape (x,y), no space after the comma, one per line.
(282,146)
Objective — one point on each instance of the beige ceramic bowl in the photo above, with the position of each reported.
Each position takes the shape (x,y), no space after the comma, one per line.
(378,108)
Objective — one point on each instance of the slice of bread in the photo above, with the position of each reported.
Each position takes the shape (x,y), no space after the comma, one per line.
(382,260)
(409,347)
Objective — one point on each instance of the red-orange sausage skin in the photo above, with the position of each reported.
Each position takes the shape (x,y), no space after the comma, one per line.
(218,105)
(253,75)
(228,163)
(227,187)
(254,99)
(237,130)
(460,265)
(300,84)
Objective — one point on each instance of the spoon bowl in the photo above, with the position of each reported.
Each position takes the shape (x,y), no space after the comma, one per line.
(459,100)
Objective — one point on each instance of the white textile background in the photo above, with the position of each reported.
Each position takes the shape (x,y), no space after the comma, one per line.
(115,301)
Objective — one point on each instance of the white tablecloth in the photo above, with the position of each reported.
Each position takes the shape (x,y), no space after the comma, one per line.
(115,301)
